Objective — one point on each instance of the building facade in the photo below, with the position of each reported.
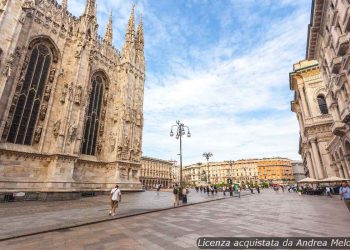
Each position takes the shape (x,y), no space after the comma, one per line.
(71,104)
(328,44)
(175,173)
(299,170)
(155,171)
(275,170)
(315,121)
(240,171)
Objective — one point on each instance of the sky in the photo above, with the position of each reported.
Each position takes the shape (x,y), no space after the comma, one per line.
(222,68)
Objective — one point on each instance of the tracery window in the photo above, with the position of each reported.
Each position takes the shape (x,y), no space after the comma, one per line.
(29,104)
(95,115)
(322,104)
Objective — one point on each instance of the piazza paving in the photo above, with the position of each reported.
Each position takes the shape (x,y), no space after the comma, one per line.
(267,214)
(23,218)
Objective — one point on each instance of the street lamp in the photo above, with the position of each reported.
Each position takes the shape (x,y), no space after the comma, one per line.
(245,177)
(231,164)
(207,156)
(180,129)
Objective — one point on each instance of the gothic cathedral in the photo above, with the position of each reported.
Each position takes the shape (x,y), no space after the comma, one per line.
(71,105)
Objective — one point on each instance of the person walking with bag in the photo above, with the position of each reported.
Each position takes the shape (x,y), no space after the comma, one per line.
(176,195)
(345,194)
(115,197)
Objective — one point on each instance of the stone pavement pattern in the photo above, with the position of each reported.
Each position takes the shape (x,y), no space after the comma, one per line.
(267,214)
(29,217)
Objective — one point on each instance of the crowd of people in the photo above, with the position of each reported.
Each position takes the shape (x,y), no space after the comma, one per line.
(182,193)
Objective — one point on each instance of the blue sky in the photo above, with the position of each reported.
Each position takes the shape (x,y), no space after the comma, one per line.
(219,66)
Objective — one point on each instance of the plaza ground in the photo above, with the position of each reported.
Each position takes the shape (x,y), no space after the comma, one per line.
(267,214)
(23,218)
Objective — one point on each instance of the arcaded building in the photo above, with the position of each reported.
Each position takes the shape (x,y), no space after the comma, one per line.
(315,121)
(71,104)
(328,44)
(156,172)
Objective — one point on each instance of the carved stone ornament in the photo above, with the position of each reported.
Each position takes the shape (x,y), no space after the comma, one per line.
(99,145)
(102,128)
(139,119)
(37,135)
(52,74)
(126,143)
(56,128)
(80,48)
(28,4)
(47,93)
(78,94)
(73,132)
(112,140)
(43,110)
(64,93)
(119,152)
(11,62)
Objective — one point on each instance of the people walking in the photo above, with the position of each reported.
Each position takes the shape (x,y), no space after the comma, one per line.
(224,190)
(328,192)
(184,195)
(176,193)
(212,190)
(208,190)
(239,192)
(115,197)
(231,190)
(258,189)
(344,192)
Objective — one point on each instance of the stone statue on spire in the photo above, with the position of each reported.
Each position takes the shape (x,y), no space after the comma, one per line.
(90,8)
(108,39)
(130,33)
(64,4)
(139,36)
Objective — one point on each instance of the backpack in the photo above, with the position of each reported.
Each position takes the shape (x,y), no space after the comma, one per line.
(176,191)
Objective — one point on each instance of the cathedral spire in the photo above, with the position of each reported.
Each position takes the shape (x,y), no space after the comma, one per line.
(109,31)
(130,33)
(90,8)
(64,4)
(139,35)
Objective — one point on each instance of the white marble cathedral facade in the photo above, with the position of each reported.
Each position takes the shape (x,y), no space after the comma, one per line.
(71,105)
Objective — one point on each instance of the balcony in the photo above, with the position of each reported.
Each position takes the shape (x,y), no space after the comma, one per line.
(342,45)
(336,64)
(338,128)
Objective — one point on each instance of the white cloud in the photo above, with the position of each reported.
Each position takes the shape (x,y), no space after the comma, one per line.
(231,91)
(220,99)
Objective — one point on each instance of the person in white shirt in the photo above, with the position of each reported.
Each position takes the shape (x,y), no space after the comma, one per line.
(116,197)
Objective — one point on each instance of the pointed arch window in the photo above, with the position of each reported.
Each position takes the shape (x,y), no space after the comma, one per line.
(29,103)
(95,115)
(322,104)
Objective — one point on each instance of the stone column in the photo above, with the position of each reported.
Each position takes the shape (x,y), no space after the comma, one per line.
(310,165)
(347,160)
(341,174)
(303,102)
(322,145)
(344,165)
(318,164)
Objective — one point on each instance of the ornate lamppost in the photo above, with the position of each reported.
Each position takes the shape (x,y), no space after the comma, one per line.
(207,156)
(180,129)
(230,163)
